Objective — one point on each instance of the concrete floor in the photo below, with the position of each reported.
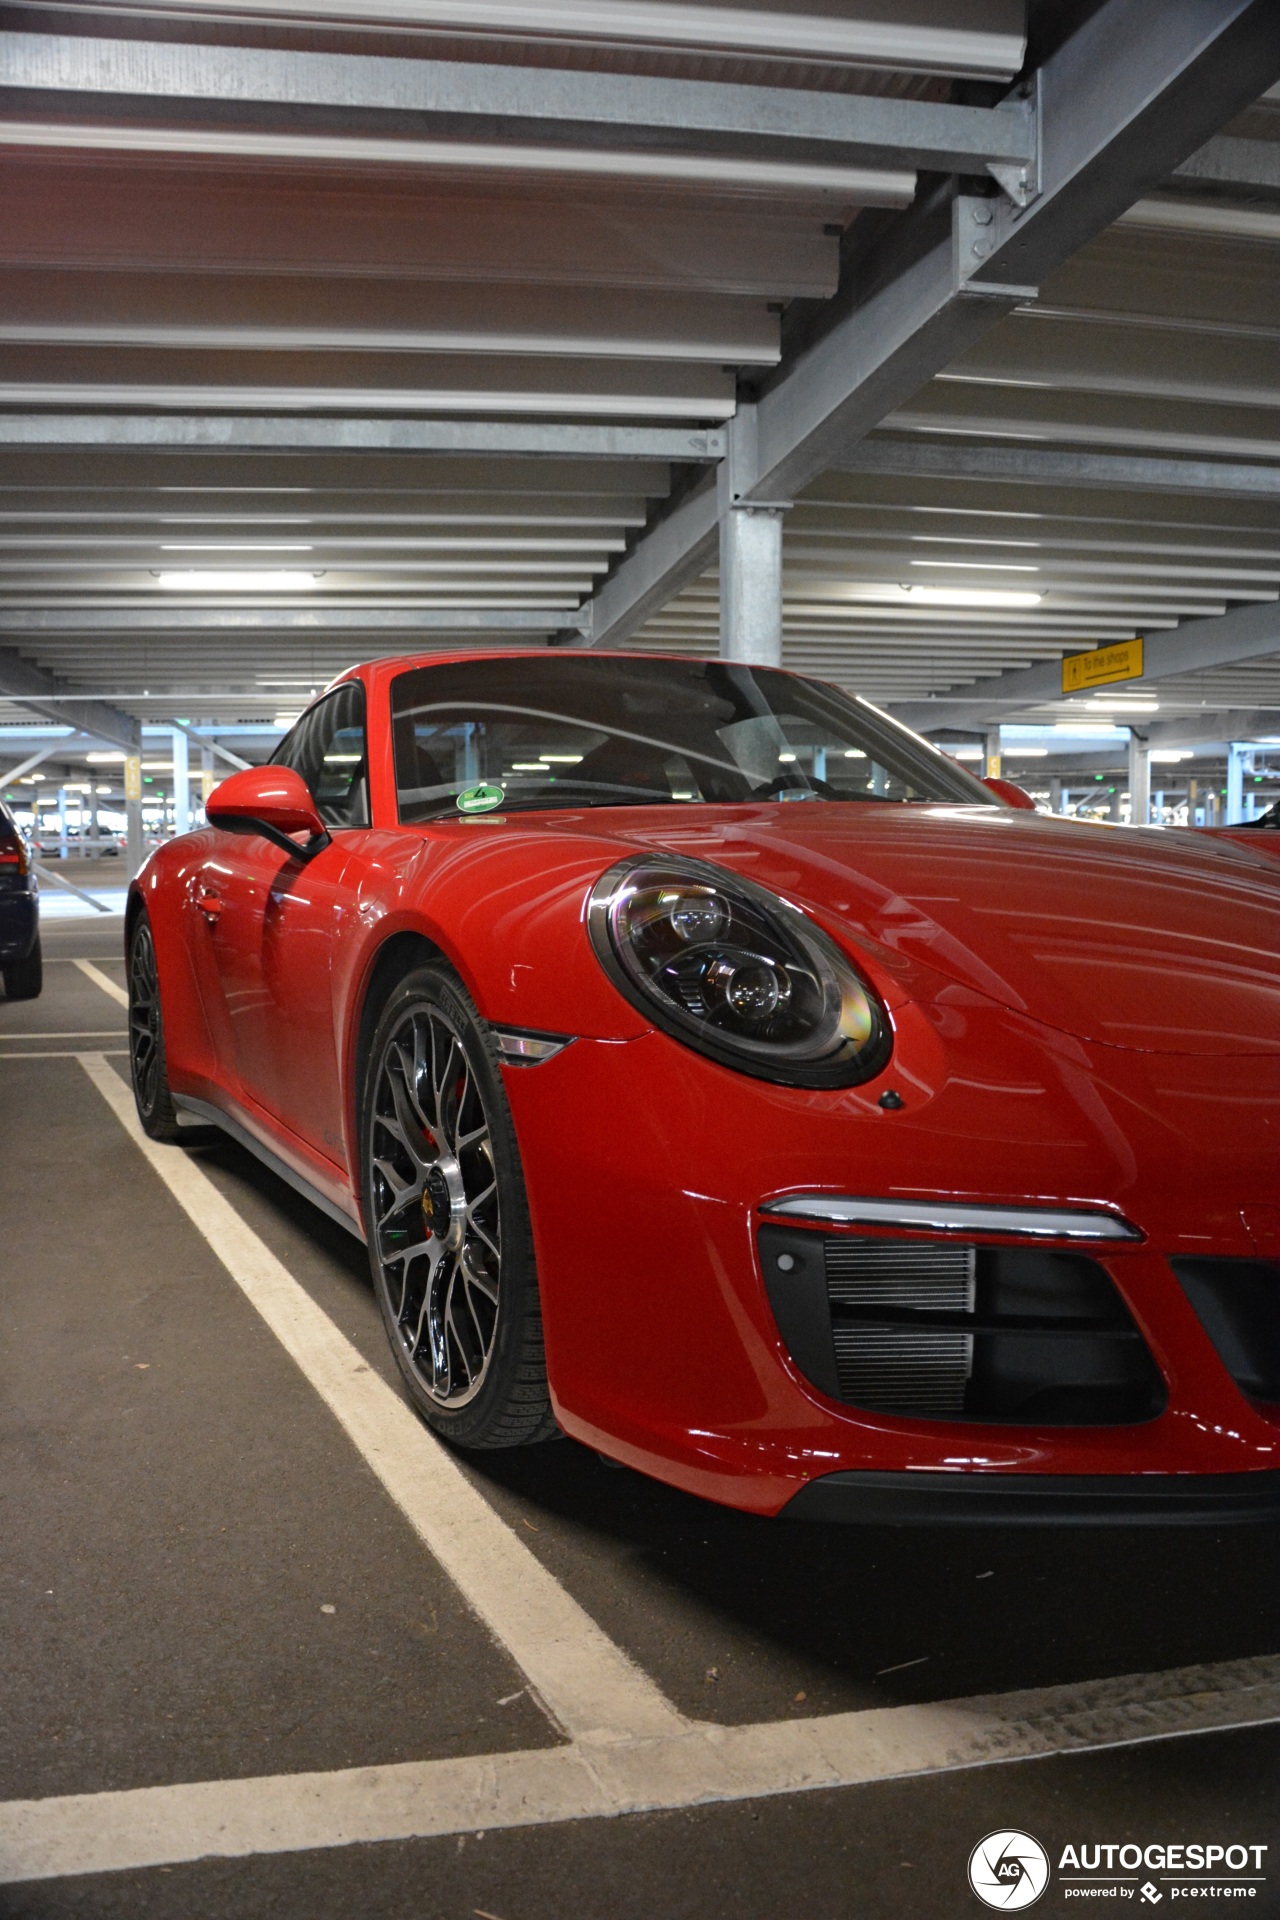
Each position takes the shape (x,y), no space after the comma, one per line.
(203,1580)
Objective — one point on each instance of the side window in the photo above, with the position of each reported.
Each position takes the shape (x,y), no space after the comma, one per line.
(327,747)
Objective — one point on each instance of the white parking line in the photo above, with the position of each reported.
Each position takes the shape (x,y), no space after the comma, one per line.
(288,1813)
(62,1053)
(587,1684)
(100,979)
(68,1033)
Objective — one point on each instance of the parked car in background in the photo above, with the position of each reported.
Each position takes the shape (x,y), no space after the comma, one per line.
(20,957)
(720,1074)
(1262,834)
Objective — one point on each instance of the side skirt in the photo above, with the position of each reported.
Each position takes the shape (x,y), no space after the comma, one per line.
(203,1111)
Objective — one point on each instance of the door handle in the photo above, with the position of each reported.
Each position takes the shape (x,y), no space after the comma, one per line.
(210,904)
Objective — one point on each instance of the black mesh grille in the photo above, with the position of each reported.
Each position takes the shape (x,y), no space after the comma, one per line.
(955,1331)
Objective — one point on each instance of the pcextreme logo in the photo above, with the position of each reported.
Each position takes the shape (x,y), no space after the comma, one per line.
(1008,1870)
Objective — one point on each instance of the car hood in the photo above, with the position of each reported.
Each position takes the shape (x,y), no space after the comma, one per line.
(1140,940)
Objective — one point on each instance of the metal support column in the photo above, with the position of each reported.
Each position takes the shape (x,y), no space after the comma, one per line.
(1235,782)
(181,783)
(751,585)
(1139,781)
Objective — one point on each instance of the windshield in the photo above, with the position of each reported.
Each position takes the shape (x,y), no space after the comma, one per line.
(580,730)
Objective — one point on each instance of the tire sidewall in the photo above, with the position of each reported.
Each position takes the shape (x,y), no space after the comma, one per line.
(158,1119)
(438,987)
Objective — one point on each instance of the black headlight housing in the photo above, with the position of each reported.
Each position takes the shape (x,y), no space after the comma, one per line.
(729,969)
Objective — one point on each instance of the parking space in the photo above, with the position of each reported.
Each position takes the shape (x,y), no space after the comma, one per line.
(215,1587)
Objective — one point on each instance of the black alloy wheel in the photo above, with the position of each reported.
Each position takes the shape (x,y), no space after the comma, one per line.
(447,1219)
(147,1067)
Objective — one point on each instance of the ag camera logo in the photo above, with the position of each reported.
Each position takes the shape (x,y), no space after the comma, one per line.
(1008,1870)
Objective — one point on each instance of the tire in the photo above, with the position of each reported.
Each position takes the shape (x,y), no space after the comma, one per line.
(448,1223)
(147,1066)
(24,979)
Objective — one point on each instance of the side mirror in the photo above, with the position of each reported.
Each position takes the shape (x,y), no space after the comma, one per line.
(272,801)
(1011,793)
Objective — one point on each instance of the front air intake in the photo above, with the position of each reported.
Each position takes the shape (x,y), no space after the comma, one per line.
(942,1330)
(883,1360)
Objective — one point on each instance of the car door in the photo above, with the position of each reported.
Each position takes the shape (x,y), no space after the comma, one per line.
(273,927)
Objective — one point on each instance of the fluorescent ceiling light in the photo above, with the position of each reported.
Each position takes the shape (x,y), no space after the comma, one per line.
(281,581)
(1171,754)
(283,720)
(1025,753)
(979,566)
(103,759)
(904,595)
(527,766)
(560,759)
(1124,706)
(964,753)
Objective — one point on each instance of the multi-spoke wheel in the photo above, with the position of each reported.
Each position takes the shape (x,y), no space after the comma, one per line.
(146,1038)
(447,1220)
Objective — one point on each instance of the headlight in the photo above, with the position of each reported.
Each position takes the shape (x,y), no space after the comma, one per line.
(730,969)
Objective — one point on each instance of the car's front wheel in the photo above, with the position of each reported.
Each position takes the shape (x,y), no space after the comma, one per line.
(447,1220)
(147,1066)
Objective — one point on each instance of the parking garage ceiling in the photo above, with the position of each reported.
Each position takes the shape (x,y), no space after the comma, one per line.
(339,328)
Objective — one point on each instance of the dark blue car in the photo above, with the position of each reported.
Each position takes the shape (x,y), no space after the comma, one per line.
(20,960)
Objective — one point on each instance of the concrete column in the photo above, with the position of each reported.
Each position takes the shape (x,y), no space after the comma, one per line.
(992,763)
(133,812)
(208,778)
(751,585)
(1139,782)
(181,783)
(1055,794)
(62,824)
(1235,782)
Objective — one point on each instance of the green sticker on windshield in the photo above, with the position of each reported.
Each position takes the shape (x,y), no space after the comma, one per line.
(482,799)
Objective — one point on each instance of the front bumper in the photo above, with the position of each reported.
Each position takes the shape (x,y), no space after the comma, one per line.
(1038,1500)
(647,1168)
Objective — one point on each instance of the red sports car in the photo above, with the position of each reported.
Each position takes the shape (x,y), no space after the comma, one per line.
(724,1077)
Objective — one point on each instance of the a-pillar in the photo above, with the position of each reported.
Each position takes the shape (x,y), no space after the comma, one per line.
(1139,781)
(1236,752)
(751,585)
(181,783)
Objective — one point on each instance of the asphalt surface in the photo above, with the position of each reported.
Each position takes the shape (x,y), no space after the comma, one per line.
(200,1579)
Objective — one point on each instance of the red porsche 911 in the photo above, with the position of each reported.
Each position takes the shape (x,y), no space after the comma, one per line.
(722,1076)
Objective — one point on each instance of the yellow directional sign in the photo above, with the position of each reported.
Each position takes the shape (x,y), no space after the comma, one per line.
(133,776)
(1099,668)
